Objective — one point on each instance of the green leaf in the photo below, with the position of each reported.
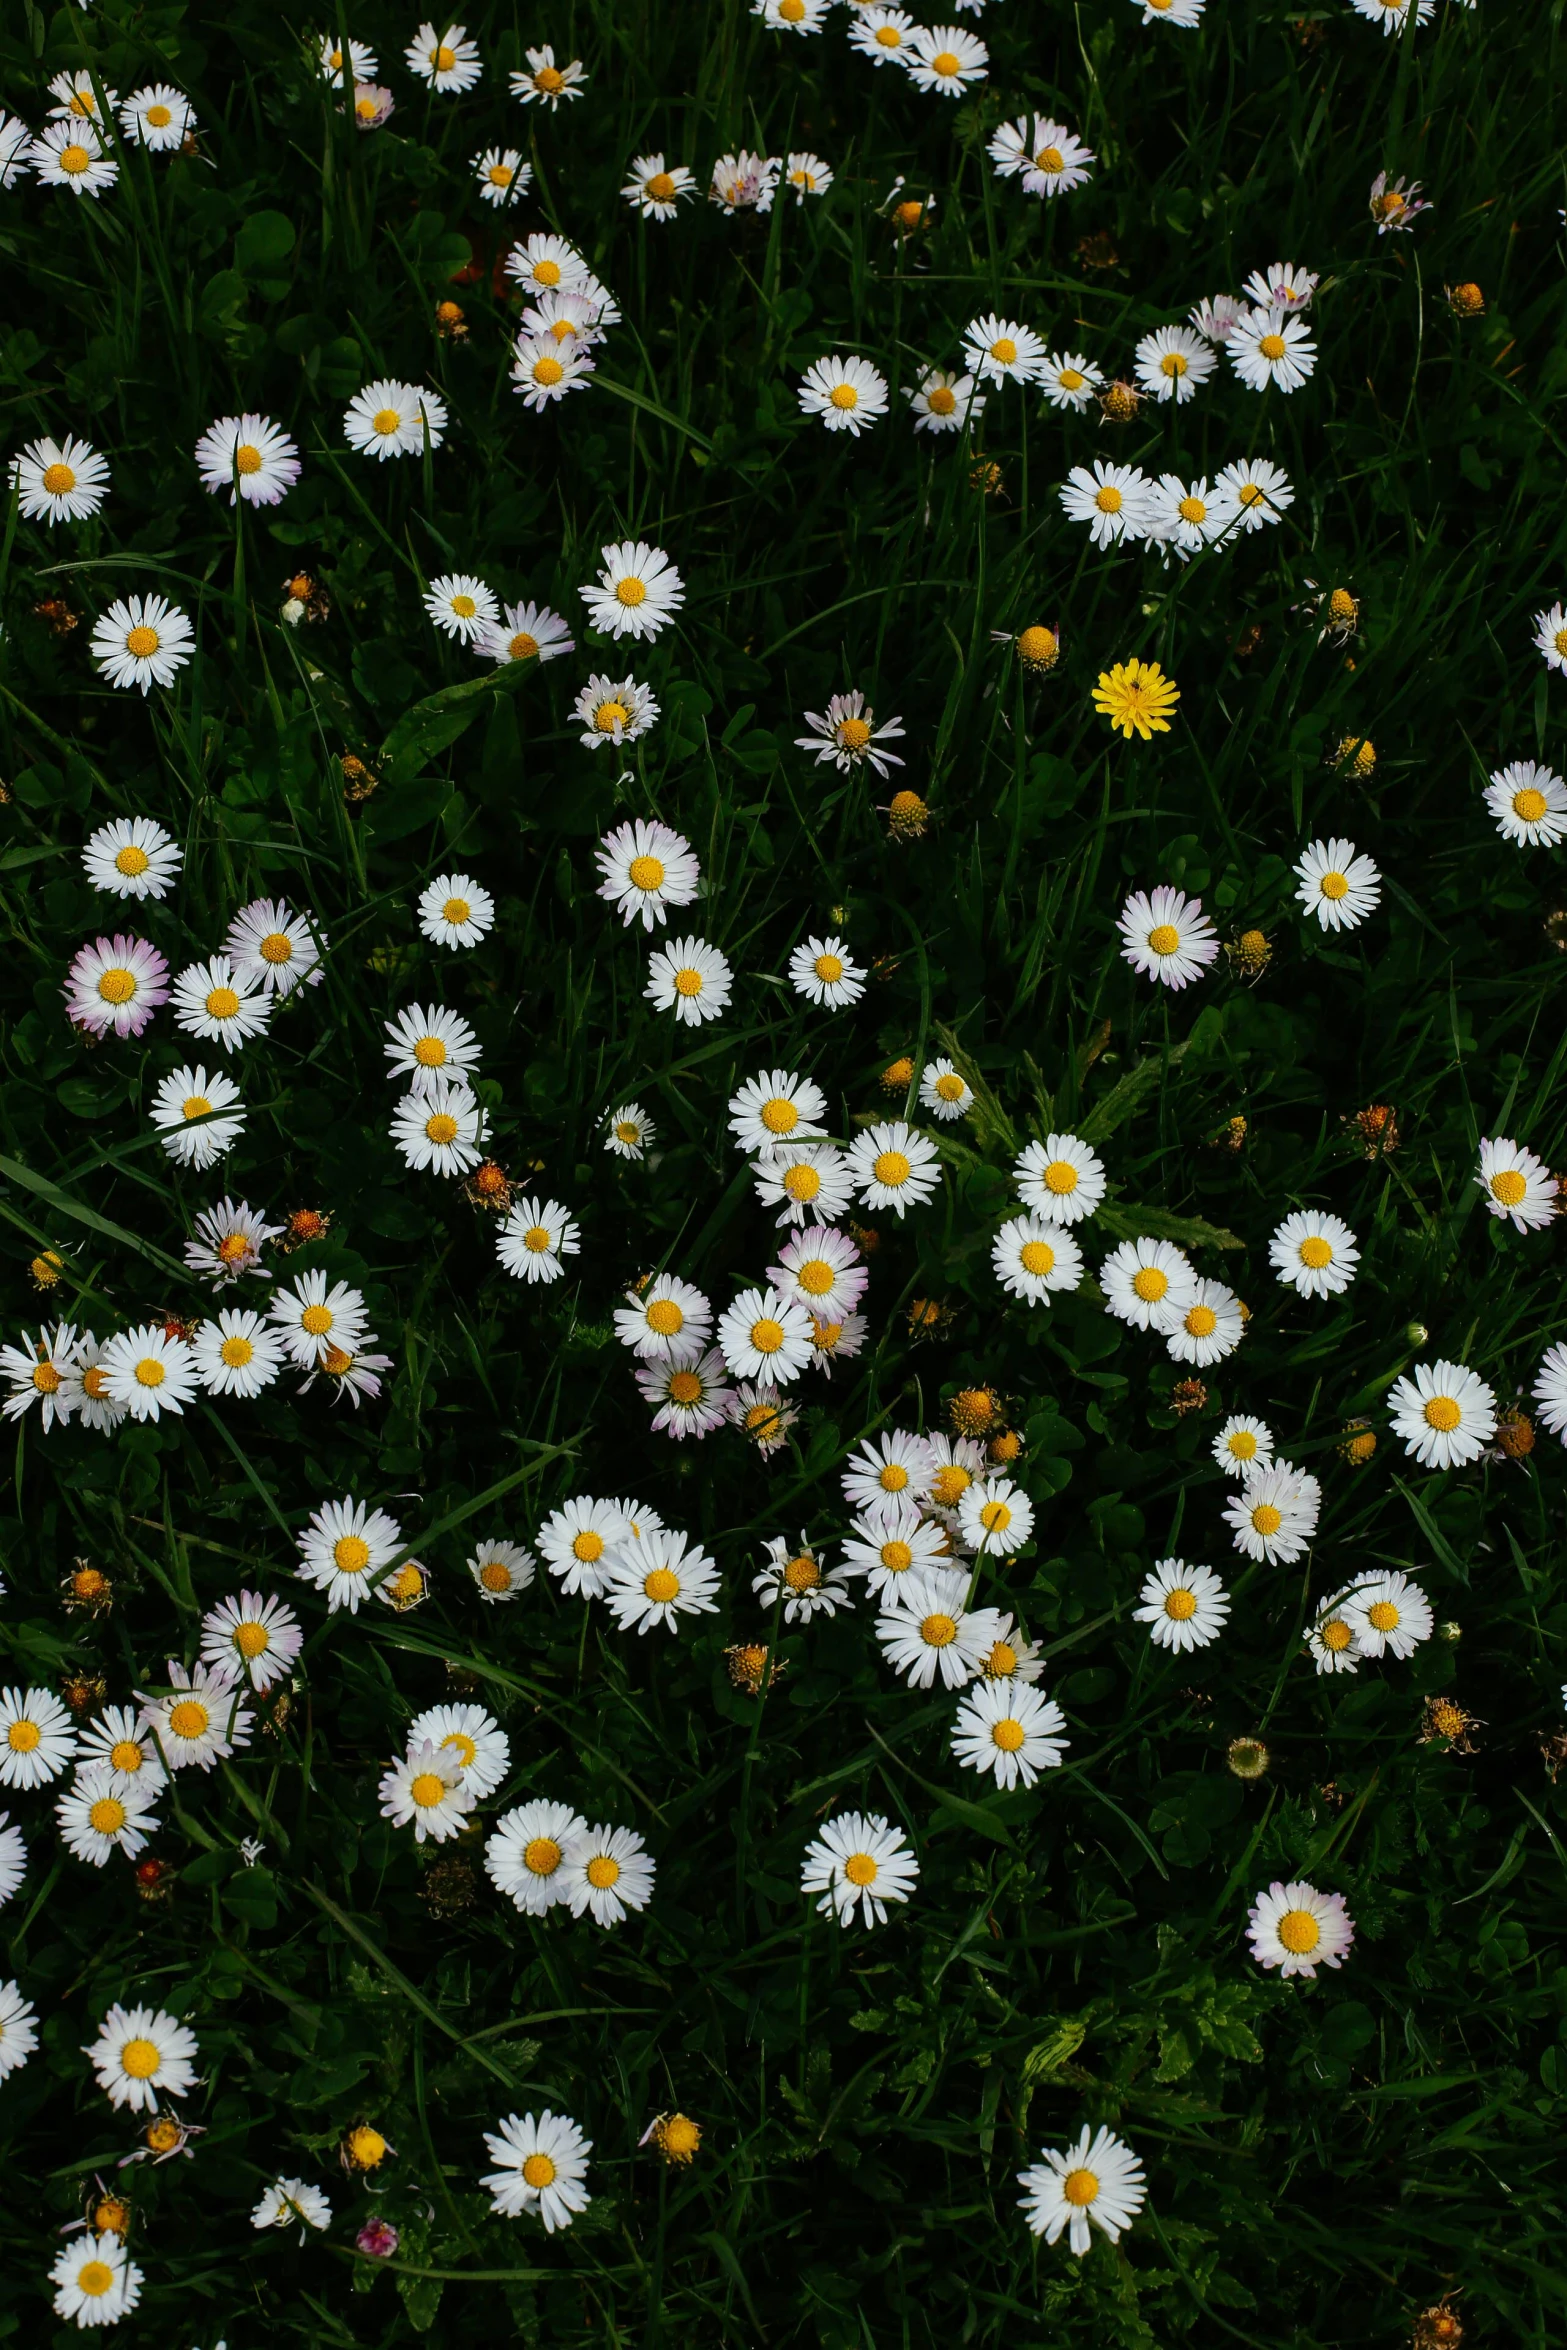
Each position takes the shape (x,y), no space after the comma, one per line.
(1126,1223)
(264,243)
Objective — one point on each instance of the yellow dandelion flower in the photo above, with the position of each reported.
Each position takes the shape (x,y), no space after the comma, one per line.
(1136,695)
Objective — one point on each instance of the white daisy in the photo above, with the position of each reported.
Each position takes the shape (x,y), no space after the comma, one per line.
(1297,1929)
(893,1165)
(689,978)
(607,1874)
(501,1570)
(142,641)
(429,1046)
(440,1130)
(18,2031)
(344,1547)
(657,1577)
(995,1516)
(1529,804)
(102,1813)
(118,1738)
(200,1719)
(1340,887)
(776,1109)
(547,83)
(524,1852)
(1331,1641)
(883,34)
(1099,2179)
(807,1182)
(502,176)
(544,261)
(39,1372)
(890,1542)
(392,419)
(1393,15)
(1249,493)
(1550,636)
(847,393)
(925,1628)
(536,1238)
(525,632)
(1005,1727)
(115,983)
(1167,936)
(646,869)
(822,1270)
(795,1577)
(72,155)
(271,945)
(475,1738)
(689,1391)
(656,187)
(253,1637)
(235,1353)
(214,1002)
(288,2200)
(1271,346)
(95,2279)
(1215,321)
(149,1371)
(837,1340)
(943,402)
(183,1112)
(1112,500)
(859,1862)
(1243,1445)
(1172,362)
(1180,515)
(86,1398)
(579,1542)
(1274,1516)
(1002,350)
(823,970)
(614,710)
(543,2160)
(1068,380)
(1445,1414)
(455,911)
(1033,1257)
(59,481)
(1518,1187)
(1183,14)
(1061,1179)
(847,733)
(315,1312)
(250,457)
(1316,1255)
(1184,1607)
(945,1092)
(791,16)
(628,1130)
(896,1466)
(764,1335)
(1550,1390)
(638,590)
(664,1318)
(1389,1616)
(461,606)
(13,1861)
(1050,160)
(1148,1283)
(952,1465)
(362,63)
(426,1789)
(544,369)
(943,60)
(1282,287)
(15,140)
(37,1740)
(132,858)
(1209,1329)
(141,2056)
(447,61)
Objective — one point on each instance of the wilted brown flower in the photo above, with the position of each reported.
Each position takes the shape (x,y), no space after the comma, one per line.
(450,323)
(928,1316)
(1445,1719)
(1466,301)
(1120,401)
(976,1412)
(359,781)
(1553,1753)
(154,1879)
(1248,640)
(1231,1136)
(1515,1435)
(1377,1127)
(1250,954)
(986,476)
(487,1187)
(865,1238)
(1556,929)
(1358,1443)
(1437,2329)
(107,2214)
(1248,1758)
(450,1885)
(87,1589)
(746,1664)
(305,1225)
(908,816)
(57,615)
(84,1692)
(1188,1395)
(1097,251)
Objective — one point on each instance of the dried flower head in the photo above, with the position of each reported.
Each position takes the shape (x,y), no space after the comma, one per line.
(1466,301)
(377,2239)
(57,615)
(450,324)
(908,816)
(359,780)
(84,1692)
(45,1270)
(487,1187)
(1249,954)
(1120,401)
(449,1887)
(898,1075)
(1515,1435)
(1446,1722)
(1248,1758)
(674,2136)
(1188,1395)
(985,475)
(1437,2329)
(1357,753)
(1358,1443)
(305,1225)
(746,1665)
(87,1589)
(106,2213)
(154,1879)
(1231,1136)
(1377,1127)
(928,1316)
(1005,1447)
(976,1412)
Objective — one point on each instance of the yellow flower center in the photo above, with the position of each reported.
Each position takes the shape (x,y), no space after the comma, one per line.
(541,1856)
(547,273)
(1180,1606)
(1173,363)
(603,1871)
(802,1573)
(1192,510)
(95,1384)
(951,1087)
(464,1745)
(499,175)
(1334,885)
(889,37)
(1509,1187)
(1242,1446)
(150,1372)
(428,1789)
(277,947)
(1382,1616)
(938,1631)
(386,421)
(1081,2186)
(538,2170)
(196,1105)
(780,1115)
(58,478)
(442,58)
(117,986)
(1529,805)
(1266,1518)
(1273,346)
(892,1169)
(685,1387)
(844,396)
(536,1239)
(142,643)
(661,1586)
(630,592)
(441,1128)
(1202,1322)
(351,1554)
(107,1816)
(1336,1635)
(430,1052)
(610,714)
(1003,350)
(495,1575)
(896,1557)
(23,1737)
(767,1335)
(1164,938)
(522,646)
(1108,498)
(646,872)
(46,1379)
(159,117)
(995,1517)
(1007,1734)
(860,1869)
(94,2278)
(1001,1663)
(549,79)
(247,458)
(316,1320)
(803,1182)
(456,911)
(236,1352)
(1150,1284)
(1071,381)
(1443,1414)
(463,607)
(74,159)
(189,1719)
(945,64)
(1316,1252)
(941,401)
(126,1755)
(131,861)
(222,1003)
(1050,159)
(664,1316)
(1299,1931)
(252,1639)
(660,187)
(854,733)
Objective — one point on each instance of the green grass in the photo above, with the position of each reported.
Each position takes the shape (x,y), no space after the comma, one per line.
(1323,2159)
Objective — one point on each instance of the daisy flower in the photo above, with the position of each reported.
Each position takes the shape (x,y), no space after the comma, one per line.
(183,1113)
(41,1374)
(1550,1390)
(791,16)
(546,82)
(544,369)
(924,1628)
(250,457)
(1529,804)
(454,911)
(995,1516)
(628,1130)
(235,1353)
(794,1576)
(944,59)
(142,641)
(315,1312)
(1148,1283)
(744,182)
(664,1318)
(102,1813)
(13,1866)
(1249,493)
(607,1874)
(86,1398)
(148,1372)
(1550,636)
(895,1466)
(253,1637)
(944,1092)
(18,2034)
(1068,380)
(859,1862)
(362,63)
(229,1240)
(836,1341)
(690,979)
(37,1740)
(1393,15)
(440,1130)
(689,1391)
(1517,1185)
(543,2160)
(1060,1179)
(1172,362)
(15,140)
(71,155)
(525,632)
(847,733)
(212,1001)
(822,970)
(132,858)
(59,481)
(807,1182)
(1331,1641)
(1209,1329)
(200,1720)
(1389,1616)
(776,1107)
(481,1747)
(1047,156)
(1274,1516)
(1005,1727)
(613,710)
(1242,1445)
(1180,515)
(846,393)
(391,419)
(273,946)
(638,590)
(461,606)
(1445,1414)
(764,1335)
(95,2279)
(501,1570)
(953,1463)
(1137,697)
(1283,287)
(1297,1929)
(1340,887)
(343,1546)
(889,1542)
(1099,2179)
(1168,936)
(536,1238)
(430,1046)
(287,2200)
(503,178)
(1313,1254)
(524,1852)
(822,1270)
(1183,14)
(447,61)
(1184,1607)
(883,34)
(657,1577)
(893,1165)
(426,1789)
(116,983)
(943,402)
(544,261)
(1111,499)
(1215,321)
(118,1737)
(1271,346)
(808,175)
(579,1542)
(1002,350)
(655,188)
(646,869)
